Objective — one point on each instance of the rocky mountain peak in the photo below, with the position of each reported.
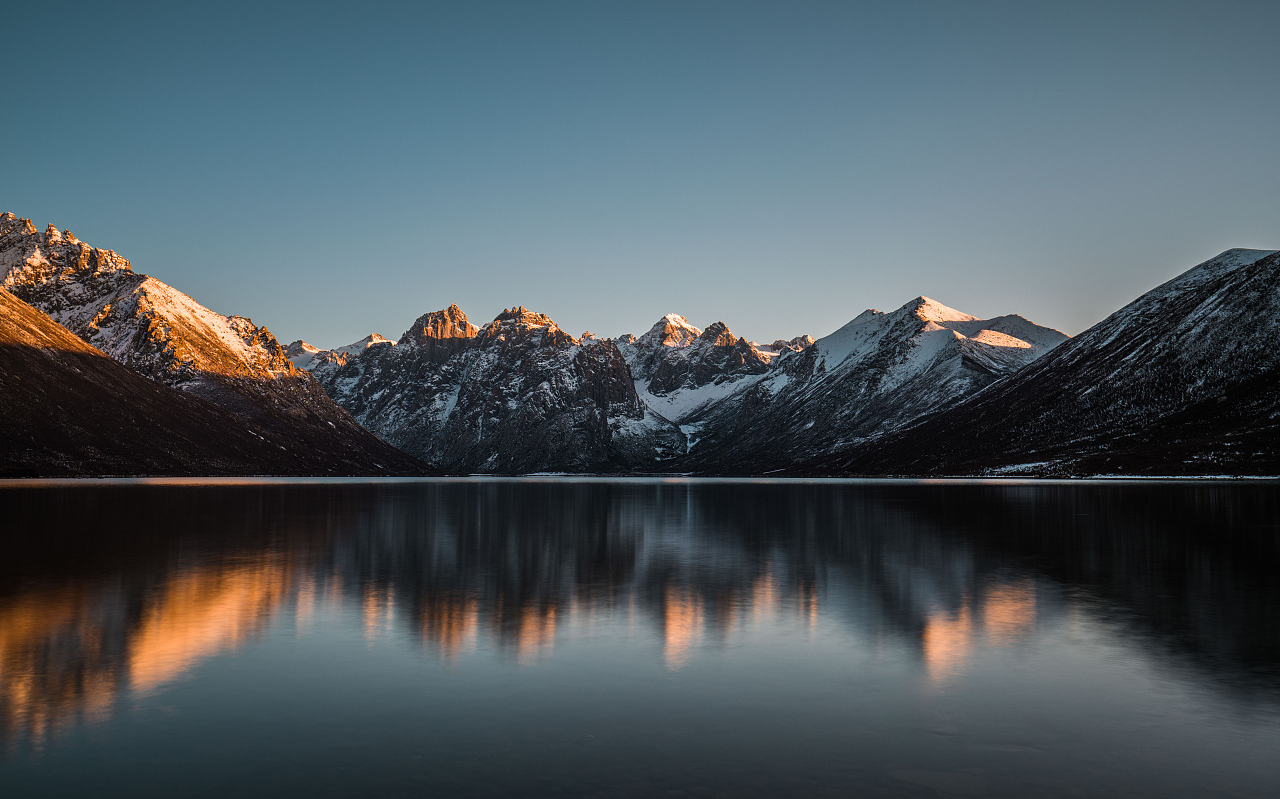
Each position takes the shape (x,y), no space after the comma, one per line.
(795,345)
(32,263)
(518,395)
(671,330)
(718,335)
(521,324)
(299,348)
(451,323)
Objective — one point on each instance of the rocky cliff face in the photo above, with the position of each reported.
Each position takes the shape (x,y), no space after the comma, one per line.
(1182,380)
(163,334)
(514,396)
(876,374)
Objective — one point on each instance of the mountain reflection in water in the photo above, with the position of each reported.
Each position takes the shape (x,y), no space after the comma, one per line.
(112,593)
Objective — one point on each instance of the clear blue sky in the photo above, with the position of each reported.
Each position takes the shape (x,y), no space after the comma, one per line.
(335,169)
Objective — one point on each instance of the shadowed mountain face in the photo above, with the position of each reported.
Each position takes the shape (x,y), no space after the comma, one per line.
(163,334)
(108,592)
(69,410)
(515,396)
(1181,381)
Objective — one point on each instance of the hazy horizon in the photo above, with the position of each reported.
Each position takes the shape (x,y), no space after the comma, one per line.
(332,172)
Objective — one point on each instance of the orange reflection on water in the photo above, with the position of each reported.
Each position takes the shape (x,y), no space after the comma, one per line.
(535,633)
(199,613)
(377,607)
(1006,613)
(46,639)
(1009,612)
(946,642)
(764,597)
(450,625)
(305,607)
(682,624)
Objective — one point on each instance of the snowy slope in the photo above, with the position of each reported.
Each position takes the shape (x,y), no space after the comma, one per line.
(67,409)
(322,362)
(1185,345)
(166,335)
(138,320)
(679,368)
(876,374)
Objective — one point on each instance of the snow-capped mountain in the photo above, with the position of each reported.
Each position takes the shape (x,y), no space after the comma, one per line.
(678,368)
(879,372)
(1185,379)
(69,410)
(516,395)
(320,362)
(779,346)
(164,334)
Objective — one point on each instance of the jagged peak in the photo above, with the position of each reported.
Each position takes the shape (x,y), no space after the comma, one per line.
(522,315)
(718,334)
(519,322)
(55,254)
(448,323)
(798,343)
(9,222)
(672,330)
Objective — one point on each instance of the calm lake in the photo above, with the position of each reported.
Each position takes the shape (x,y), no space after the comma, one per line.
(618,638)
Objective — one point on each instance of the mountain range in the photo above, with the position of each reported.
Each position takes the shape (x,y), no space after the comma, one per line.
(1181,381)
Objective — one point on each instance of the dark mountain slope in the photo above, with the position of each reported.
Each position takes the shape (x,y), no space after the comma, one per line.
(1182,380)
(67,409)
(166,335)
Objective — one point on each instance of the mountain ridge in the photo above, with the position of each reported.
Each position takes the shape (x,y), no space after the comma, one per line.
(163,334)
(71,410)
(1176,347)
(925,388)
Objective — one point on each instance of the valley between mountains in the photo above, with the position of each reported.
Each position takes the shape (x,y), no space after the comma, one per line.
(107,371)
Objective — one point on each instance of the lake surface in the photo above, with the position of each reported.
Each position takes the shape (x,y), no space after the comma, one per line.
(581,638)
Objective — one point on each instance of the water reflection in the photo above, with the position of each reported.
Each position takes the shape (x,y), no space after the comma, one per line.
(999,616)
(110,590)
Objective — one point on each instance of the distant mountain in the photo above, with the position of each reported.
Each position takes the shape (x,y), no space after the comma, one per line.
(163,334)
(517,395)
(321,362)
(879,372)
(68,409)
(678,367)
(1184,380)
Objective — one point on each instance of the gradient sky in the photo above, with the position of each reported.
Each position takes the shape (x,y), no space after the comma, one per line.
(335,169)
